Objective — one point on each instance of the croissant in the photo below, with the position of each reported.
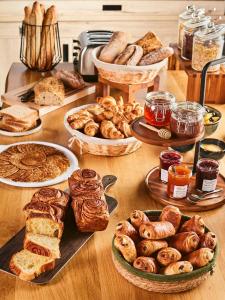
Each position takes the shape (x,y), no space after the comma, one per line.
(118,117)
(91,128)
(168,255)
(200,257)
(129,107)
(126,246)
(120,102)
(178,267)
(130,117)
(147,247)
(195,224)
(124,127)
(79,123)
(185,241)
(95,109)
(108,102)
(156,230)
(124,227)
(208,240)
(109,131)
(138,217)
(146,264)
(171,214)
(79,114)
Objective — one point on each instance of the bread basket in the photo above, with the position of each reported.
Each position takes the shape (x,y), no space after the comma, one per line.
(126,74)
(162,283)
(80,143)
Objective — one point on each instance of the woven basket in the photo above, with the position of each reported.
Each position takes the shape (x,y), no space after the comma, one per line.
(162,283)
(80,143)
(126,74)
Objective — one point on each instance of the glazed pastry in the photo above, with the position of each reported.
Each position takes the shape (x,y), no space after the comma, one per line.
(138,217)
(208,240)
(168,255)
(109,131)
(51,196)
(146,264)
(86,175)
(178,267)
(156,230)
(200,257)
(79,123)
(124,127)
(147,247)
(126,246)
(124,227)
(171,214)
(91,128)
(185,241)
(195,224)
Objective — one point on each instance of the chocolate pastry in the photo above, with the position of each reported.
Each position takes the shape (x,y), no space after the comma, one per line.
(178,267)
(185,242)
(146,264)
(200,257)
(124,227)
(156,230)
(168,255)
(171,214)
(195,224)
(126,246)
(147,247)
(208,240)
(138,217)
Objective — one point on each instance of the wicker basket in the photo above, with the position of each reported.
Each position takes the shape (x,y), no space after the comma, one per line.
(161,283)
(126,74)
(80,143)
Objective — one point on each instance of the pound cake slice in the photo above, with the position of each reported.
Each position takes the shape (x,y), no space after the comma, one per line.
(42,245)
(27,265)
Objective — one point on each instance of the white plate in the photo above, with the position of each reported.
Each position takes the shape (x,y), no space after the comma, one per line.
(64,176)
(23,133)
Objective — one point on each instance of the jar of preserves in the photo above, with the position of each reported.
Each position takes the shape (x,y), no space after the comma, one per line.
(207,46)
(168,158)
(184,17)
(187,119)
(207,171)
(197,22)
(157,109)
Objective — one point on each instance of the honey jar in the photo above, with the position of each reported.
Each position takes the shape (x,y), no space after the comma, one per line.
(168,158)
(207,171)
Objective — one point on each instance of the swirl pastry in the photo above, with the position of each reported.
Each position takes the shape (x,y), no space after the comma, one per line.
(86,175)
(147,247)
(156,230)
(146,264)
(171,214)
(185,241)
(195,224)
(208,240)
(51,196)
(138,217)
(124,227)
(126,246)
(200,257)
(178,267)
(168,255)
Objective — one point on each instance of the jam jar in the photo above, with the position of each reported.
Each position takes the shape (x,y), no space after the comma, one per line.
(187,119)
(207,46)
(207,171)
(168,158)
(184,17)
(197,22)
(157,109)
(179,177)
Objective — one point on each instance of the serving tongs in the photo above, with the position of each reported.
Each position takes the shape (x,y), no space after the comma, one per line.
(28,95)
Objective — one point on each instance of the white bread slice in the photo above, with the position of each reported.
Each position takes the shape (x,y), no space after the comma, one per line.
(19,113)
(42,245)
(28,265)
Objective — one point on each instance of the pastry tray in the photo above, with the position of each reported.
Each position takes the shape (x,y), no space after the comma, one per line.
(72,241)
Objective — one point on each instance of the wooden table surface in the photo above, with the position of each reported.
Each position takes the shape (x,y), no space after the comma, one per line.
(91,273)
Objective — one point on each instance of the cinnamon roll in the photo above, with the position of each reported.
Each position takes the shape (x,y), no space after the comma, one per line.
(178,267)
(208,240)
(185,242)
(168,255)
(138,217)
(51,196)
(200,257)
(195,224)
(124,227)
(156,230)
(147,247)
(171,214)
(146,264)
(126,246)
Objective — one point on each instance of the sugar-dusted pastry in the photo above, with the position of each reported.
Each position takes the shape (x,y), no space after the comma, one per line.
(200,257)
(178,267)
(195,224)
(109,130)
(124,127)
(185,242)
(138,217)
(156,230)
(126,246)
(171,214)
(168,255)
(91,128)
(125,227)
(147,247)
(208,240)
(146,264)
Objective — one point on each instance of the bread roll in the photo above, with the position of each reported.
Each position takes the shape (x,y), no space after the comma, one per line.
(156,56)
(130,56)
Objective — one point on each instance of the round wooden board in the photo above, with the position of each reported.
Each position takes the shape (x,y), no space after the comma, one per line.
(158,191)
(151,137)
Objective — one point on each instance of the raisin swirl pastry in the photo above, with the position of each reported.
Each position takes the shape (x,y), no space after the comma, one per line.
(195,224)
(178,267)
(200,257)
(138,217)
(124,227)
(185,242)
(168,255)
(126,246)
(147,247)
(146,264)
(171,214)
(208,240)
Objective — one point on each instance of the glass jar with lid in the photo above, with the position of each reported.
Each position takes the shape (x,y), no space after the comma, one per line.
(197,22)
(207,46)
(184,17)
(157,109)
(187,119)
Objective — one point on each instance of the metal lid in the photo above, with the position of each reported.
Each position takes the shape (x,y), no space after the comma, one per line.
(188,12)
(160,95)
(211,31)
(197,20)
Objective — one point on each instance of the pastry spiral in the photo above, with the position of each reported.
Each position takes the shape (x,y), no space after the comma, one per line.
(138,217)
(146,264)
(195,224)
(156,230)
(171,214)
(185,242)
(168,255)
(51,196)
(147,247)
(126,246)
(178,267)
(200,257)
(124,227)
(208,240)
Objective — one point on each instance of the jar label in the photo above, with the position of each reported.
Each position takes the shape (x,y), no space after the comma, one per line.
(209,185)
(180,191)
(164,175)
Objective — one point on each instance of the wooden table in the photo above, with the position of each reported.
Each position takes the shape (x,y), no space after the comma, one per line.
(91,274)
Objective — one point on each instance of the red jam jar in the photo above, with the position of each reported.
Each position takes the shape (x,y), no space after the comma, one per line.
(207,171)
(168,158)
(157,110)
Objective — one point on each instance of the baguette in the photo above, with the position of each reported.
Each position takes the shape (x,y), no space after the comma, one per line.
(27,13)
(156,56)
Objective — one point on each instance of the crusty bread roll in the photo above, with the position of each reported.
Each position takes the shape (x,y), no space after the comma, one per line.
(116,45)
(130,56)
(156,56)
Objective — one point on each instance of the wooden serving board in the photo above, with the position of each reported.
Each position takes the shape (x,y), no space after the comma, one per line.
(13,97)
(72,241)
(158,192)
